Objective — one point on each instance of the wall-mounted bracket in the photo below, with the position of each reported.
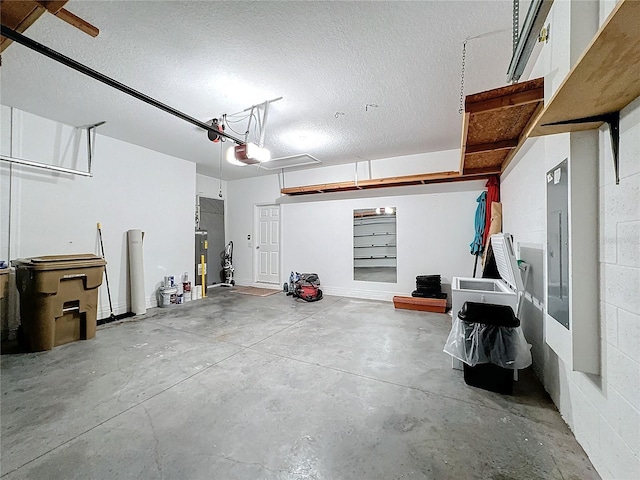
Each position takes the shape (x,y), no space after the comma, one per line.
(91,129)
(611,119)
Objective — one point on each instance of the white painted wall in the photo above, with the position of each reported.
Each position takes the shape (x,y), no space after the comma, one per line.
(602,410)
(243,196)
(435,228)
(132,187)
(445,161)
(210,187)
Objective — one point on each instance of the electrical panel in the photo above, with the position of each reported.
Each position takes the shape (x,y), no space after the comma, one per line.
(558,243)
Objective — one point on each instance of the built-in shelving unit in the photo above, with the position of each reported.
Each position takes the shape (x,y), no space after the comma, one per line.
(374,241)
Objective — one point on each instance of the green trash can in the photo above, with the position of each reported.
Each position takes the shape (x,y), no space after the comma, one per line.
(58,298)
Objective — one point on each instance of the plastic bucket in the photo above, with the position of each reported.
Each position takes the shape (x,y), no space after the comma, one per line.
(165,294)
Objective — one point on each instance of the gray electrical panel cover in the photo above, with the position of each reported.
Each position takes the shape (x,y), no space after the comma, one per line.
(558,243)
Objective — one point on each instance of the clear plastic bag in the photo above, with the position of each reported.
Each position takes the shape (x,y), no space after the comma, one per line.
(474,343)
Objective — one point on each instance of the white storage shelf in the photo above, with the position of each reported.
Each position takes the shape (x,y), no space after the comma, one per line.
(374,241)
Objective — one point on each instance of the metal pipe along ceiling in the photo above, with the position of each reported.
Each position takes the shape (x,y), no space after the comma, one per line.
(69,62)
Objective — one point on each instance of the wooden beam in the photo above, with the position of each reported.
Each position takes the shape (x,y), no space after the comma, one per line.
(492,119)
(482,171)
(18,16)
(77,22)
(52,6)
(406,179)
(505,101)
(487,147)
(440,177)
(523,136)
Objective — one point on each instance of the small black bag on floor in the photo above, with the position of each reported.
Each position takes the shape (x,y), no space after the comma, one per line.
(428,286)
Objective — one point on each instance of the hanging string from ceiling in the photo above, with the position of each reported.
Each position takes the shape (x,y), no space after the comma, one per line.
(220,172)
(464,57)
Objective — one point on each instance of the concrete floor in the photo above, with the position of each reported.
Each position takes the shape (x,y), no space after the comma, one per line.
(241,387)
(375,274)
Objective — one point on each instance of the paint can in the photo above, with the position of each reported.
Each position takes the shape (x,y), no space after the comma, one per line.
(167,296)
(186,289)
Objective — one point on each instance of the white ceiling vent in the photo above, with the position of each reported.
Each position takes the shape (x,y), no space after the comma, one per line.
(289,162)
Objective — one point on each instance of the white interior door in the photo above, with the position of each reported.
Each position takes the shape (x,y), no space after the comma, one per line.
(268,244)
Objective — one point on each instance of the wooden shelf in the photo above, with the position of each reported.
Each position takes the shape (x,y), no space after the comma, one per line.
(605,79)
(361,223)
(495,124)
(377,234)
(441,177)
(423,304)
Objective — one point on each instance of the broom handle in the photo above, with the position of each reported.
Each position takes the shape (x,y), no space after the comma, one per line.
(106,276)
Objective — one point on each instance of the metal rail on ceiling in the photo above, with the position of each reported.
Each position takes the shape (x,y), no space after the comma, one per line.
(69,62)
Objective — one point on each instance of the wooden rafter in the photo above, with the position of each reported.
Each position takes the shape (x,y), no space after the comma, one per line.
(19,15)
(523,137)
(495,124)
(504,101)
(77,22)
(487,147)
(441,177)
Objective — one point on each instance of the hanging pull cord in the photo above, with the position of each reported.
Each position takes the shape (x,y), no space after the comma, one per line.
(220,171)
(464,56)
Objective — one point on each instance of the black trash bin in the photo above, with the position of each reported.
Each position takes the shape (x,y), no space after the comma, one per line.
(497,322)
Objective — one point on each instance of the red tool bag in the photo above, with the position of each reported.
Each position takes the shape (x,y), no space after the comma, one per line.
(308,287)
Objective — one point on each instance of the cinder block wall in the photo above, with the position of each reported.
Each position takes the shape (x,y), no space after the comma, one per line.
(602,410)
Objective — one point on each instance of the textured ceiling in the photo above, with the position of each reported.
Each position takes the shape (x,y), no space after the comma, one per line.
(209,58)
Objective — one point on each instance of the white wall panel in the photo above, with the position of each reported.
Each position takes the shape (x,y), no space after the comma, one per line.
(132,187)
